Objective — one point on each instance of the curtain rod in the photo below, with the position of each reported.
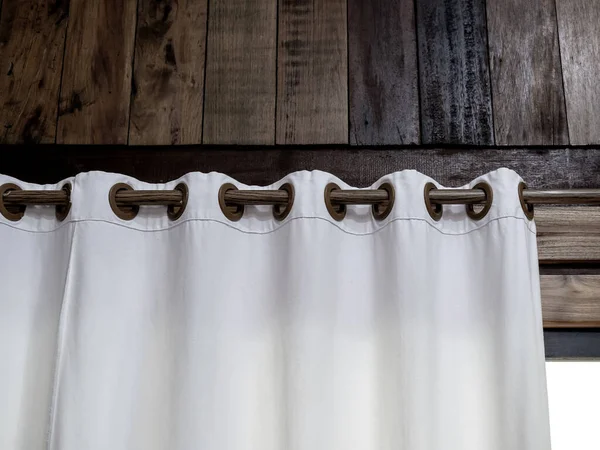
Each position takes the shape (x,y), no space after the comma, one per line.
(281,197)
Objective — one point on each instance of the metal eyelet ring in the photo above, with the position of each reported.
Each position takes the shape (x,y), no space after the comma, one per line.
(279,211)
(435,210)
(233,213)
(382,210)
(338,212)
(174,212)
(489,198)
(125,213)
(12,213)
(527,207)
(62,211)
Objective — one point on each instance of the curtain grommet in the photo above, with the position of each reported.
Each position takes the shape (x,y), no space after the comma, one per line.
(279,211)
(336,212)
(382,210)
(126,213)
(435,210)
(233,213)
(174,212)
(12,213)
(62,211)
(527,208)
(489,198)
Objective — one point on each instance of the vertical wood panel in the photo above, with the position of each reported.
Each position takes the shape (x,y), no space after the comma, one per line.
(456,105)
(240,72)
(96,86)
(32,35)
(579,35)
(529,104)
(383,74)
(312,84)
(168,80)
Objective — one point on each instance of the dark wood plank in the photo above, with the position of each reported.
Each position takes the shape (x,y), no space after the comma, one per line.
(579,34)
(383,73)
(312,80)
(168,80)
(96,85)
(570,269)
(456,105)
(541,168)
(570,300)
(32,36)
(241,72)
(529,103)
(572,344)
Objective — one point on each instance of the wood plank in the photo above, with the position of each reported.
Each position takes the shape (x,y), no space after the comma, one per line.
(383,73)
(241,72)
(32,36)
(529,103)
(579,35)
(568,234)
(96,86)
(575,343)
(168,80)
(312,81)
(456,106)
(570,300)
(541,168)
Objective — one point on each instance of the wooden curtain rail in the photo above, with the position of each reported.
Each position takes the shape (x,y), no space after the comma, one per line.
(280,197)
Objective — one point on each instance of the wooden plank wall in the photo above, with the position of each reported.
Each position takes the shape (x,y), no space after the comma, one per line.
(167,91)
(264,72)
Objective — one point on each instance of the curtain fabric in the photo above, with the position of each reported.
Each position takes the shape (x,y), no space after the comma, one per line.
(301,334)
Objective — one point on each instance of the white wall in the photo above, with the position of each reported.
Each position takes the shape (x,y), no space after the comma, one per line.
(574,400)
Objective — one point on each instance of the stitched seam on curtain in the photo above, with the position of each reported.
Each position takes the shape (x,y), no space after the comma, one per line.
(199,219)
(62,320)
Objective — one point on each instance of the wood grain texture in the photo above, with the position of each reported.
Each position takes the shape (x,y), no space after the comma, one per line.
(579,34)
(383,73)
(529,103)
(96,85)
(570,300)
(456,106)
(168,80)
(32,35)
(312,80)
(541,168)
(568,234)
(241,72)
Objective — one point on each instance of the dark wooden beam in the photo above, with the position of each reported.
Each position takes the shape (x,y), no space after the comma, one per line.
(540,167)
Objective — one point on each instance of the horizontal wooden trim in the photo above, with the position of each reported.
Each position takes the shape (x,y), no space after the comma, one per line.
(571,301)
(572,343)
(540,167)
(568,234)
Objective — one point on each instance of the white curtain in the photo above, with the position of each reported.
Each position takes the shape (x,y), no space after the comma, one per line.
(307,333)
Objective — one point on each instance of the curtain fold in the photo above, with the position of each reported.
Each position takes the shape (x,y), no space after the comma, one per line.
(302,334)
